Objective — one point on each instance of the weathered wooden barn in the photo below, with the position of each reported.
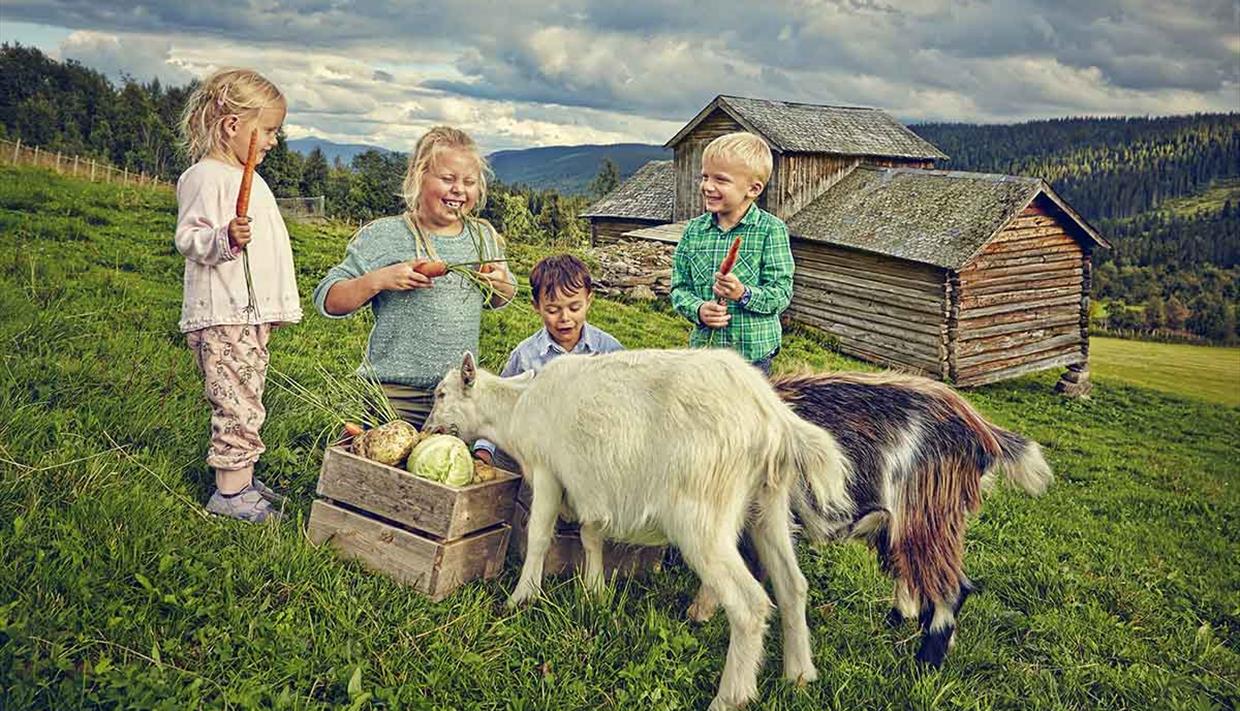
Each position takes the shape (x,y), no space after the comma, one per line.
(966,277)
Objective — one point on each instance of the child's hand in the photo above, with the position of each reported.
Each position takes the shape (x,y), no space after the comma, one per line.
(398,277)
(497,276)
(483,456)
(727,286)
(713,315)
(239,233)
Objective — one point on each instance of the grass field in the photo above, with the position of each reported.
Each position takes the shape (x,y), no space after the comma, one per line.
(1112,591)
(1205,372)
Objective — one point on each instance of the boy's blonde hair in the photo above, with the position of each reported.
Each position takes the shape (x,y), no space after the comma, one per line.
(224,93)
(430,145)
(745,148)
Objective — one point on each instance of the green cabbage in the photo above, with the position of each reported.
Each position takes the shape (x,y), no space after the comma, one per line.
(442,458)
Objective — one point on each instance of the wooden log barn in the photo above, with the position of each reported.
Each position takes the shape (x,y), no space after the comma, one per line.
(966,277)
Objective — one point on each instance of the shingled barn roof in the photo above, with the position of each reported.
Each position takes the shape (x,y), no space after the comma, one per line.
(936,217)
(812,128)
(647,195)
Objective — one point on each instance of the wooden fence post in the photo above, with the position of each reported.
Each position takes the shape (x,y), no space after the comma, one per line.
(57,161)
(92,169)
(75,162)
(17,147)
(36,157)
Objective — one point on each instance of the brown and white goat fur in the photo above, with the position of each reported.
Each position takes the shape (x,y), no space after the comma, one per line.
(690,447)
(918,458)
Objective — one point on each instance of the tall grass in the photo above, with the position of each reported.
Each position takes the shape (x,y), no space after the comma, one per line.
(1118,589)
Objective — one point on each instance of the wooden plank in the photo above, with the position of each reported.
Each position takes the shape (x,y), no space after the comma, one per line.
(983,376)
(911,303)
(1004,286)
(1018,259)
(1038,315)
(1059,242)
(926,332)
(1015,345)
(1034,351)
(985,280)
(913,287)
(1030,271)
(1028,220)
(566,556)
(970,332)
(432,567)
(890,360)
(1024,296)
(968,314)
(918,276)
(885,349)
(437,509)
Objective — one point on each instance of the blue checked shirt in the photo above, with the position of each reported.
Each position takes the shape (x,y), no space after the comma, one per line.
(763,264)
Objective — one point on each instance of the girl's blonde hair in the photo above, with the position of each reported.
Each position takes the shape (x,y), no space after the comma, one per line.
(222,94)
(430,145)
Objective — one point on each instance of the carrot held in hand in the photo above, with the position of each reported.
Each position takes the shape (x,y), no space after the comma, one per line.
(243,209)
(430,268)
(728,262)
(247,176)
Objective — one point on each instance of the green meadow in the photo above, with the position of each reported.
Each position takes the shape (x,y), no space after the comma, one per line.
(1208,373)
(1117,589)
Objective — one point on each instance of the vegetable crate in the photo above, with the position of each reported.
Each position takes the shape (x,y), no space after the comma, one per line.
(422,533)
(566,556)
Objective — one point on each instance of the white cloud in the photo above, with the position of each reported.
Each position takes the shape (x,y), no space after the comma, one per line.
(537,73)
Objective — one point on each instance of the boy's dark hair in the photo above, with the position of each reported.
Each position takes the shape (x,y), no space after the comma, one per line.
(559,273)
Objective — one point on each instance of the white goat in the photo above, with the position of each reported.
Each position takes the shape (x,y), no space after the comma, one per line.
(689,447)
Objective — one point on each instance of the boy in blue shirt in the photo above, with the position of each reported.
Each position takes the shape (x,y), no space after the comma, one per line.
(563,292)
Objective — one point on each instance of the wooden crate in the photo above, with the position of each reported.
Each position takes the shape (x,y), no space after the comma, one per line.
(426,534)
(443,511)
(566,556)
(434,567)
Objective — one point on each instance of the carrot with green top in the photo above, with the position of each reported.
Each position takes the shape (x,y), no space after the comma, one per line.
(243,209)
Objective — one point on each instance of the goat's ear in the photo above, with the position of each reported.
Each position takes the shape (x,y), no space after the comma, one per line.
(468,371)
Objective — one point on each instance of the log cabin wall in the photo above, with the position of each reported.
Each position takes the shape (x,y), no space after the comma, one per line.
(607,230)
(688,162)
(883,310)
(1022,304)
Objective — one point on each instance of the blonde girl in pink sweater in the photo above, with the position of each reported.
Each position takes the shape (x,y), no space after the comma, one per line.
(226,324)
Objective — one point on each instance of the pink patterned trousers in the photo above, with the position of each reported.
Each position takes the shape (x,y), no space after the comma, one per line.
(233,362)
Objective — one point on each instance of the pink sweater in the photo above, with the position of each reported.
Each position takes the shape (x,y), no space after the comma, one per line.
(215,289)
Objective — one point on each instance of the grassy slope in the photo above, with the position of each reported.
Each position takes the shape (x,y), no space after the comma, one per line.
(1111,591)
(1204,372)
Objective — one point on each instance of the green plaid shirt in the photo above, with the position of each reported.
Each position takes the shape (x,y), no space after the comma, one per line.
(764,264)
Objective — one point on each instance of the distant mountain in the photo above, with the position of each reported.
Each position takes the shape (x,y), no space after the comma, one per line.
(331,150)
(569,169)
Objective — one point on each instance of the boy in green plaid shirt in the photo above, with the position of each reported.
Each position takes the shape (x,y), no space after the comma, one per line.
(740,309)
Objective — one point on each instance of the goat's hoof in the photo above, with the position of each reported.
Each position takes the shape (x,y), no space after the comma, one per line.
(895,618)
(800,677)
(701,612)
(522,597)
(719,704)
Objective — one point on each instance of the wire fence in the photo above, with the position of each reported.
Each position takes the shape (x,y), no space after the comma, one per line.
(17,153)
(303,208)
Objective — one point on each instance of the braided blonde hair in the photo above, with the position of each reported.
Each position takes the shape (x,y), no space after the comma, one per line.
(226,92)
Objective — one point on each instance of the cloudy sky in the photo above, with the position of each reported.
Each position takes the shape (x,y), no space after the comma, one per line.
(551,72)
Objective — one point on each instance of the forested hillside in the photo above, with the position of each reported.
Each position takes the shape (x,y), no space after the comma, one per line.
(1164,191)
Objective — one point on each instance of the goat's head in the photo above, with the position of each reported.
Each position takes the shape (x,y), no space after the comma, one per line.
(456,405)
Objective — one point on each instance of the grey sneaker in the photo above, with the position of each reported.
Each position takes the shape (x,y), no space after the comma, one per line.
(267,493)
(248,505)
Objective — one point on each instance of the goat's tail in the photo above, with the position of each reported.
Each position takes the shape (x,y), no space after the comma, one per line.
(1021,461)
(820,472)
